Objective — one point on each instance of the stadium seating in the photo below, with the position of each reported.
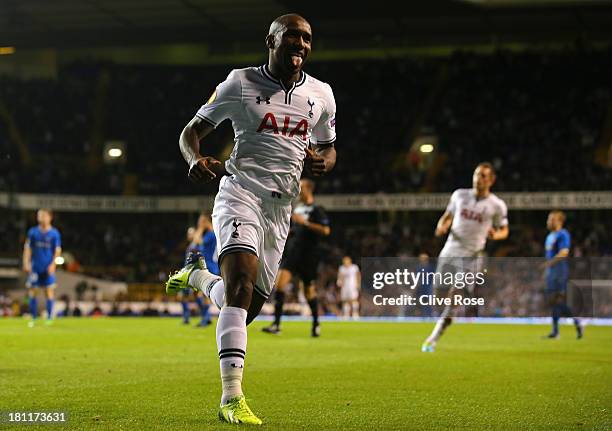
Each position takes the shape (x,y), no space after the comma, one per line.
(539,124)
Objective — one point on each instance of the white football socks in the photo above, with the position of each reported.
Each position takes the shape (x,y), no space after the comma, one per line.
(209,284)
(440,325)
(216,293)
(231,343)
(346,310)
(435,334)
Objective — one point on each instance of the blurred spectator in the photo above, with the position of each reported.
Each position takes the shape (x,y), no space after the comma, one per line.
(537,115)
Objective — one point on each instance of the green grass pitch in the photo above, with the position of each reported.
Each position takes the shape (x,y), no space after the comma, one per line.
(155,374)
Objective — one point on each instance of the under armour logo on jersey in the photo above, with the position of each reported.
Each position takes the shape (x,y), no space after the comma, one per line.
(277,195)
(235,234)
(311,104)
(263,99)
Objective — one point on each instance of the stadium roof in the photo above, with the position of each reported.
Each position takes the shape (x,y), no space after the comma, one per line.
(223,23)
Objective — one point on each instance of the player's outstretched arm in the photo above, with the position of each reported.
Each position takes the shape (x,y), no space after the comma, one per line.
(201,168)
(320,160)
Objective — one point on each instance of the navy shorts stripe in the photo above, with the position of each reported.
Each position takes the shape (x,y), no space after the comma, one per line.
(234,248)
(249,246)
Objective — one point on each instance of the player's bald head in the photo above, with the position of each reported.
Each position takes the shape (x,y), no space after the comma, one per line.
(282,22)
(289,43)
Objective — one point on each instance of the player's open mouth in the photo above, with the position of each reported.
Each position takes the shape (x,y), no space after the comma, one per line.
(297,59)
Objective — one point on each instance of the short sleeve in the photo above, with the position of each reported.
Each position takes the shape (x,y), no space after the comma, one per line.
(224,101)
(324,132)
(29,238)
(564,240)
(452,203)
(501,215)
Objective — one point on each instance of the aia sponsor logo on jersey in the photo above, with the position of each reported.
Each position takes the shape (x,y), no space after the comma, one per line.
(269,122)
(471,215)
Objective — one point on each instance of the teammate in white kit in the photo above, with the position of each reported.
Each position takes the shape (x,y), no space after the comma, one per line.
(473,216)
(349,281)
(277,112)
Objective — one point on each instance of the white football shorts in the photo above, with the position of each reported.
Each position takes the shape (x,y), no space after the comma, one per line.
(456,259)
(349,293)
(246,222)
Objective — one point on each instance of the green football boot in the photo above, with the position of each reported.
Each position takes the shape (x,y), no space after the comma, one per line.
(180,279)
(236,411)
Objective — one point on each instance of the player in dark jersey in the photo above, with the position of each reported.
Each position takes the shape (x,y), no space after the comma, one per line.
(556,271)
(309,224)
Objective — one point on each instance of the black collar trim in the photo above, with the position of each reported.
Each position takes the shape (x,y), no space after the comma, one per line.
(265,70)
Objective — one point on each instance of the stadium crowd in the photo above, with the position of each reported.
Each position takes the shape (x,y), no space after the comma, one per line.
(535,115)
(543,110)
(144,247)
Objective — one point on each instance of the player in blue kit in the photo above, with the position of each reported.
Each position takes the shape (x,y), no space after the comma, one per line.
(201,239)
(43,244)
(556,267)
(208,246)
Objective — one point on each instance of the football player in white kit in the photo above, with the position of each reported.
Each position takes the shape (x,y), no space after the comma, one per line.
(277,112)
(349,281)
(472,216)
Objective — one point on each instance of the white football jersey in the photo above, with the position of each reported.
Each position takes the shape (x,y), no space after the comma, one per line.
(349,276)
(273,126)
(472,219)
